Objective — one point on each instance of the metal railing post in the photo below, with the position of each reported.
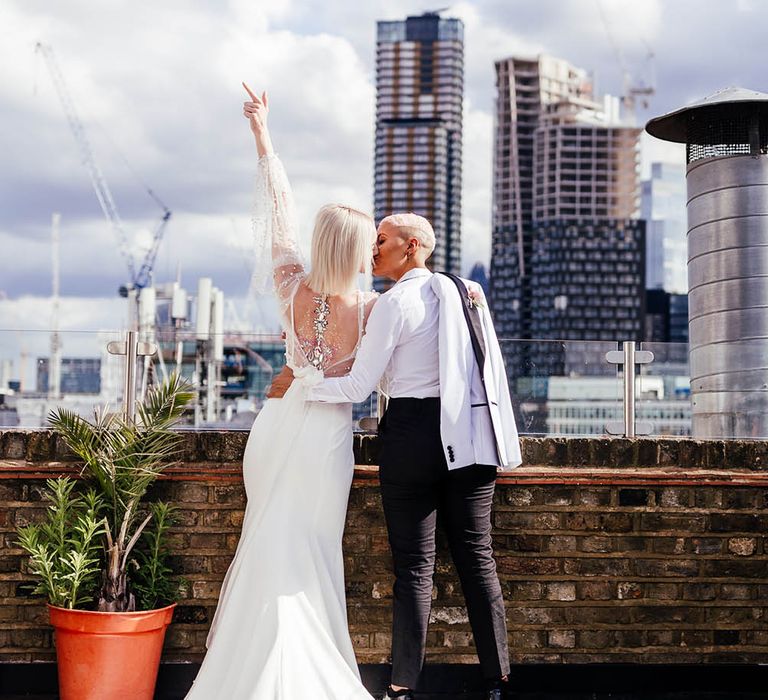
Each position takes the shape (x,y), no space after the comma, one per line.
(371,423)
(129,388)
(629,357)
(381,406)
(132,349)
(629,388)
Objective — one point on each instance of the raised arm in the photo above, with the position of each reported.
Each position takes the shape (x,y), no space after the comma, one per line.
(256,111)
(274,214)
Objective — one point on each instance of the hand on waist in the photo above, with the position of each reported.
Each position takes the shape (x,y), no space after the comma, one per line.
(280,383)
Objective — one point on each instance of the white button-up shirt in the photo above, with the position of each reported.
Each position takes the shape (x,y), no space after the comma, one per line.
(400,347)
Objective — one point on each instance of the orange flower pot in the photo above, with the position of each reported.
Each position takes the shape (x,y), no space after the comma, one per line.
(108,656)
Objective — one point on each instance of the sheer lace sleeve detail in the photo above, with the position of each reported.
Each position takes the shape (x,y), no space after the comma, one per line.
(277,255)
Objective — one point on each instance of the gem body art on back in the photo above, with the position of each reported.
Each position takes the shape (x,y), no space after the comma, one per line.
(318,351)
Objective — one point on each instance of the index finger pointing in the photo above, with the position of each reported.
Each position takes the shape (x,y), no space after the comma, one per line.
(250,92)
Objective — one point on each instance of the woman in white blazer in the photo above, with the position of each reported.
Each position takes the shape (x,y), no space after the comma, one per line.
(448,427)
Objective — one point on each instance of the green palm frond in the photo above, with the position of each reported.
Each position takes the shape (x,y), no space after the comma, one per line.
(89,441)
(164,404)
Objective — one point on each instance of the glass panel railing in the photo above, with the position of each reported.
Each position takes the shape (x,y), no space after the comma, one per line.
(663,390)
(563,387)
(558,387)
(40,370)
(230,373)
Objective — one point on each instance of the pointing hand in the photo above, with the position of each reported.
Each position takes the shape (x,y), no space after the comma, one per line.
(256,110)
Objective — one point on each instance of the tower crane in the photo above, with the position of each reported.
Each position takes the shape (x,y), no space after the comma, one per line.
(631,92)
(54,363)
(142,278)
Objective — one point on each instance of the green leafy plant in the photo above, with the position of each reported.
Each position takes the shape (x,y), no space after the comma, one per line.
(122,459)
(152,578)
(65,549)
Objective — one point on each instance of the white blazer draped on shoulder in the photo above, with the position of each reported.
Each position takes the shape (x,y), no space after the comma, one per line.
(477,420)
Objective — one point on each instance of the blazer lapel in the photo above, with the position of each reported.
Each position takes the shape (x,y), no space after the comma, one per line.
(472,317)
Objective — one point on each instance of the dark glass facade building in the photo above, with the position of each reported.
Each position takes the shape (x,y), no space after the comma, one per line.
(666,317)
(588,281)
(419,100)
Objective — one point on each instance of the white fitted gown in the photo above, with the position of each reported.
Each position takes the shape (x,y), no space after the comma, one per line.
(280,630)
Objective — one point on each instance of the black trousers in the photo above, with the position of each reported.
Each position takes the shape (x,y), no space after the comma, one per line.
(417,491)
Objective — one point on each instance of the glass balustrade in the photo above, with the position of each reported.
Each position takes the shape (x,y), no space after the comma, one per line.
(557,387)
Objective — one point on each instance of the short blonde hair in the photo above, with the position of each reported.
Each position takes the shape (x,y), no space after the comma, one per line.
(411,224)
(342,247)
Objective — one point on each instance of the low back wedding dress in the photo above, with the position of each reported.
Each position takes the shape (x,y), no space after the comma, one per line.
(280,630)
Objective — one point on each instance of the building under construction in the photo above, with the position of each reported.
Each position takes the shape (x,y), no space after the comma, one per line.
(568,248)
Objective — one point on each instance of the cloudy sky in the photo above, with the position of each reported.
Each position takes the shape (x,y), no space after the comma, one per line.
(157,85)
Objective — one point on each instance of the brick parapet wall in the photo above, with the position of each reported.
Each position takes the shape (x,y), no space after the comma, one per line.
(608,550)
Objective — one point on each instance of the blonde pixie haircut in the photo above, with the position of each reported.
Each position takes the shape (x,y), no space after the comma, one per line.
(342,247)
(410,224)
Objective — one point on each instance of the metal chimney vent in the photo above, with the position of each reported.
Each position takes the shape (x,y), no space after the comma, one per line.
(726,137)
(731,122)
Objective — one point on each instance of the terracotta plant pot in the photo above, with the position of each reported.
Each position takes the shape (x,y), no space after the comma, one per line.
(108,656)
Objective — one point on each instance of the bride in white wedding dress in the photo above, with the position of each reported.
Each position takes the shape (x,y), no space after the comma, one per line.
(280,629)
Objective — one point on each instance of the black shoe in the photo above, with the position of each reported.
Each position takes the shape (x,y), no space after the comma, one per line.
(500,690)
(398,694)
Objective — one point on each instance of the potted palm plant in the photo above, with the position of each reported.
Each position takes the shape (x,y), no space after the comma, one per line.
(100,556)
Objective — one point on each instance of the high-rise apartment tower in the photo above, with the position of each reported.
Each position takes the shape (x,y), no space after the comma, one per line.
(419,94)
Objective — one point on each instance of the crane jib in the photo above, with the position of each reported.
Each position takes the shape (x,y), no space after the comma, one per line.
(99,182)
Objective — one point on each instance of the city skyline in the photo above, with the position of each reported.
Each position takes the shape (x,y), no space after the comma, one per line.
(171,101)
(663,200)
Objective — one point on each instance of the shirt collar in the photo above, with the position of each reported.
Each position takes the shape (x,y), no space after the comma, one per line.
(414,273)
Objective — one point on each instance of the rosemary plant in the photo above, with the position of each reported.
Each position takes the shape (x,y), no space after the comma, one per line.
(65,549)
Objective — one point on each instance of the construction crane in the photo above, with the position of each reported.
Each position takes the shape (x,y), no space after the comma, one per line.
(142,278)
(54,362)
(631,92)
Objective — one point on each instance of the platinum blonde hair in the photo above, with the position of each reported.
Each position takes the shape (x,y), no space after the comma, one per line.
(342,248)
(410,224)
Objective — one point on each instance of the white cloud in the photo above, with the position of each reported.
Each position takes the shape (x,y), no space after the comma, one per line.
(171,101)
(654,150)
(163,81)
(476,195)
(33,314)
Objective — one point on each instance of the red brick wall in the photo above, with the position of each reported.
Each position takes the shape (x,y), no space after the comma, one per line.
(608,550)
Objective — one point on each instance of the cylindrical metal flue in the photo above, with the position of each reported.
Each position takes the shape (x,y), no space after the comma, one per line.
(727,153)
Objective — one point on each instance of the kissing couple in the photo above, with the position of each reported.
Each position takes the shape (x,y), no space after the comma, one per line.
(280,629)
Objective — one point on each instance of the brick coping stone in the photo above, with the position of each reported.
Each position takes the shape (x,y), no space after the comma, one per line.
(589,460)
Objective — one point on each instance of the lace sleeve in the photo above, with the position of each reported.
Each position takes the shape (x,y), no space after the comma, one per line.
(275,228)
